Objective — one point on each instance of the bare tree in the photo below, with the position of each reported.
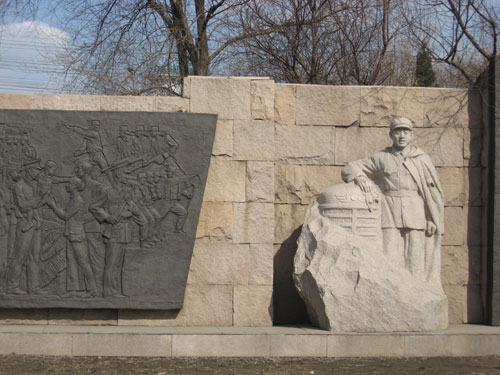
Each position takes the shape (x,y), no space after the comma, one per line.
(319,41)
(462,34)
(144,47)
(140,47)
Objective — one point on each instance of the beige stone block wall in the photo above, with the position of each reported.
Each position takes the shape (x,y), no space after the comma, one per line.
(353,122)
(277,146)
(233,252)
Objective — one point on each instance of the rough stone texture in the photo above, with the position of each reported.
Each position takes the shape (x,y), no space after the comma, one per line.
(460,265)
(223,142)
(368,346)
(475,187)
(349,285)
(474,234)
(127,103)
(367,141)
(151,318)
(171,104)
(465,303)
(221,345)
(218,188)
(449,108)
(475,311)
(454,226)
(260,181)
(453,346)
(229,98)
(327,105)
(302,183)
(262,99)
(457,341)
(70,102)
(288,219)
(208,305)
(216,221)
(219,263)
(204,305)
(288,181)
(284,104)
(298,345)
(17,101)
(253,305)
(457,301)
(443,145)
(253,223)
(260,267)
(317,179)
(94,102)
(380,105)
(305,144)
(461,186)
(24,316)
(454,182)
(83,317)
(122,345)
(473,146)
(35,344)
(253,140)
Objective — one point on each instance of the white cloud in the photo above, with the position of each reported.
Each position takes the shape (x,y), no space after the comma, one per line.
(29,54)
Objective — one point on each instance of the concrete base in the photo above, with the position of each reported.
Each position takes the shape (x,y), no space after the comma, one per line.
(457,340)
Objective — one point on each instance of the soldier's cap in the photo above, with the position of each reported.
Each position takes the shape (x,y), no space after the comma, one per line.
(401,123)
(124,128)
(95,122)
(32,163)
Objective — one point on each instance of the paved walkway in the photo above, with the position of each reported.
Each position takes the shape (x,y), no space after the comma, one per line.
(17,364)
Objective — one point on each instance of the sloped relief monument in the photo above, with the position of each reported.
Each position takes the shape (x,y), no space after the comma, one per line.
(369,257)
(99,209)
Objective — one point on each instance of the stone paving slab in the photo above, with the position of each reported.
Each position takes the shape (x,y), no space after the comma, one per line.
(279,341)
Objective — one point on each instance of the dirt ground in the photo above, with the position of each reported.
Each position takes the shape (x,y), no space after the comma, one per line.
(17,364)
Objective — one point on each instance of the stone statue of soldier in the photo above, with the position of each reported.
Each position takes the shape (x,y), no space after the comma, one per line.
(412,203)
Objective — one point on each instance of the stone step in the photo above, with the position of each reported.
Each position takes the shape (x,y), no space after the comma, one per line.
(280,341)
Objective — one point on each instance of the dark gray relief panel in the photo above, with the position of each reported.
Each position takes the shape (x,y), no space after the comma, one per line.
(100,209)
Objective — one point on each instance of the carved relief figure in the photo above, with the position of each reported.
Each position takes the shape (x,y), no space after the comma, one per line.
(114,211)
(92,191)
(80,238)
(141,140)
(48,177)
(412,204)
(92,144)
(27,244)
(74,217)
(124,145)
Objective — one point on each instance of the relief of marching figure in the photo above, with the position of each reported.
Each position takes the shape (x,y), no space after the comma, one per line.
(125,191)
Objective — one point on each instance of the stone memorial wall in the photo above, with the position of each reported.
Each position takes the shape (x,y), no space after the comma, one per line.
(276,148)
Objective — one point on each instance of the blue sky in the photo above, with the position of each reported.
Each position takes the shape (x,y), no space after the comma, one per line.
(29,50)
